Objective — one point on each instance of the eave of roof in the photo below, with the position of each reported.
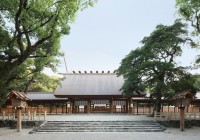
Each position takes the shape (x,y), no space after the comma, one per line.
(43,96)
(18,95)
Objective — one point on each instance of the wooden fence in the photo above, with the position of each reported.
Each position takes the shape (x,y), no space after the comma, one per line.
(64,110)
(175,116)
(28,113)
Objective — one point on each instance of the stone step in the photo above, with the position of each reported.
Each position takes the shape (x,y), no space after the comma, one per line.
(103,130)
(99,126)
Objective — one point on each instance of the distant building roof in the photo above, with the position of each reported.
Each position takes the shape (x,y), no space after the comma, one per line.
(90,84)
(184,94)
(18,95)
(43,96)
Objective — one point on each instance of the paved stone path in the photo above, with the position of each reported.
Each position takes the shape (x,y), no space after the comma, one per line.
(98,117)
(169,134)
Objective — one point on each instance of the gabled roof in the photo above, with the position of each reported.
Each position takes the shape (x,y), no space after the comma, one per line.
(182,95)
(90,84)
(18,95)
(43,96)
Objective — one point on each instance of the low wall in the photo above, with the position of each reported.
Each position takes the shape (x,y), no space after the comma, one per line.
(25,124)
(176,123)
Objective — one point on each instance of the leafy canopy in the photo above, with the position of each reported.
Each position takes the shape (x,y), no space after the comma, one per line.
(153,65)
(190,11)
(30,32)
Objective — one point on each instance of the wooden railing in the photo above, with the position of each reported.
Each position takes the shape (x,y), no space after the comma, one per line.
(132,110)
(28,113)
(175,116)
(25,116)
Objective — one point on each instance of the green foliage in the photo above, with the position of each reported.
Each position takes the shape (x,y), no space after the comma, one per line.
(30,32)
(44,83)
(190,11)
(152,66)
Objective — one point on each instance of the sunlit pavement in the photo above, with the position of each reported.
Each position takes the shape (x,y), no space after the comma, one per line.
(169,134)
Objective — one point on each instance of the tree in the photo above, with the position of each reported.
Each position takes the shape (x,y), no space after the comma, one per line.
(190,11)
(41,83)
(32,29)
(153,66)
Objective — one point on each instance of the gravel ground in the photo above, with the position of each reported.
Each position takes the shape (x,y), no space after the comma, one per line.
(169,134)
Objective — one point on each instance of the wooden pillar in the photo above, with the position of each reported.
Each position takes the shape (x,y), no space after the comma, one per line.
(130,107)
(199,107)
(19,119)
(149,108)
(111,106)
(50,108)
(182,115)
(66,107)
(73,106)
(45,115)
(127,103)
(56,107)
(168,108)
(62,108)
(89,106)
(137,107)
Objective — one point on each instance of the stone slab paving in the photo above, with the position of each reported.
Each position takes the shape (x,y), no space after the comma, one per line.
(169,134)
(98,117)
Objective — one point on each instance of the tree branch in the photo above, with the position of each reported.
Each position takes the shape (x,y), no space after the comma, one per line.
(197,21)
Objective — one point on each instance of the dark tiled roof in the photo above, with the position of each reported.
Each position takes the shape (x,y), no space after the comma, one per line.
(43,96)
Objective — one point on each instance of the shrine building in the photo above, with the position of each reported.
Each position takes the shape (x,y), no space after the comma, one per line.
(95,93)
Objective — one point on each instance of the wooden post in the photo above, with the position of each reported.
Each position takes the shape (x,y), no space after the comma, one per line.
(29,115)
(111,106)
(182,124)
(88,106)
(56,109)
(155,115)
(19,119)
(168,108)
(45,115)
(73,107)
(66,108)
(130,107)
(4,115)
(137,107)
(62,108)
(50,108)
(199,107)
(127,103)
(149,108)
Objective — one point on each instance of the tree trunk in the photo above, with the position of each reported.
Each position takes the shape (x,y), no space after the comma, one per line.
(158,92)
(158,102)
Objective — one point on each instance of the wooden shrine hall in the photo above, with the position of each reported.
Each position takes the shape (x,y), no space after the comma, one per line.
(95,93)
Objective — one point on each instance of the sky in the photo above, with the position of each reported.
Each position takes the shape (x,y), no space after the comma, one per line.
(103,35)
